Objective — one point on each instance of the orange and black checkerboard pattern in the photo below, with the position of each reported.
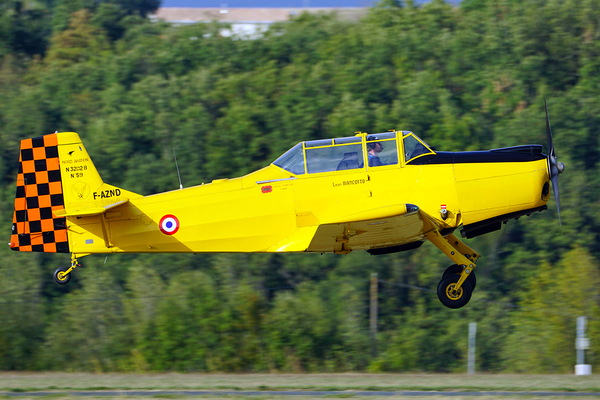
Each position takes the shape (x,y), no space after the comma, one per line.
(39,193)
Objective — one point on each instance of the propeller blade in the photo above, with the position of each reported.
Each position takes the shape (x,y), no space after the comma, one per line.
(549,131)
(554,167)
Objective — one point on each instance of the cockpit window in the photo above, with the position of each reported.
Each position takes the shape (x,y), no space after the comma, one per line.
(382,149)
(346,140)
(318,143)
(335,157)
(414,147)
(339,154)
(292,160)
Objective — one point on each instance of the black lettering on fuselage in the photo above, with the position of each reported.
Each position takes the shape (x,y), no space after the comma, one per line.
(105,194)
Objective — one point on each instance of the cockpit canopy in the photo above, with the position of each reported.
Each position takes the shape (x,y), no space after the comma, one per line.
(326,155)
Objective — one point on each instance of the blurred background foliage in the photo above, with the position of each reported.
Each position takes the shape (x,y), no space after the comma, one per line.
(463,77)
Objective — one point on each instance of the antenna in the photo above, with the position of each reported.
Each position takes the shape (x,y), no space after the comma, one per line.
(176,165)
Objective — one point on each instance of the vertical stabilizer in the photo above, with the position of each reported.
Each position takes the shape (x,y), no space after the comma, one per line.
(57,184)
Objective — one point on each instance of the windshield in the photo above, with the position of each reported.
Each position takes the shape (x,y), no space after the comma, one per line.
(292,160)
(414,147)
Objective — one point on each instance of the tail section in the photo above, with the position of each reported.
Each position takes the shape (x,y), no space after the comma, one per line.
(57,180)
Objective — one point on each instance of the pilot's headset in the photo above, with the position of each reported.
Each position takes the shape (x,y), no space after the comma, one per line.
(373,145)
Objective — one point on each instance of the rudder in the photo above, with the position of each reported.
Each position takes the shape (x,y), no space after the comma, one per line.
(39,194)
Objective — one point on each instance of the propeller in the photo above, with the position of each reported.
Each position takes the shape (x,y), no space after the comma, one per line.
(555,168)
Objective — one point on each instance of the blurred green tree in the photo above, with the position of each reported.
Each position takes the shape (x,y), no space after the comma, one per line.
(465,77)
(543,330)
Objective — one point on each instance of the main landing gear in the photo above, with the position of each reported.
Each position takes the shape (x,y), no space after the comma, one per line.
(62,275)
(458,281)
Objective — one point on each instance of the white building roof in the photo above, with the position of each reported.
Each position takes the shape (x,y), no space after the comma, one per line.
(248,15)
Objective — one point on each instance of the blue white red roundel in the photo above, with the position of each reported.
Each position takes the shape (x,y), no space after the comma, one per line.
(169,224)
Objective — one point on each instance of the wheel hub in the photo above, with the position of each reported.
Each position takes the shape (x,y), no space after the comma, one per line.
(452,293)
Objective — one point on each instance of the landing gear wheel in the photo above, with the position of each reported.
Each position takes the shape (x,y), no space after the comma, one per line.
(450,297)
(457,269)
(60,277)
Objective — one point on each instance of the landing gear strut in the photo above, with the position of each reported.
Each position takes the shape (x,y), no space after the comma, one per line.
(62,275)
(457,270)
(458,281)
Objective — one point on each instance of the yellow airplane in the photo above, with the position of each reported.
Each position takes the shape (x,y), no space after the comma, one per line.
(383,193)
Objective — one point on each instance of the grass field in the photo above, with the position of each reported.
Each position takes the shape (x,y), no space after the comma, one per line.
(15,384)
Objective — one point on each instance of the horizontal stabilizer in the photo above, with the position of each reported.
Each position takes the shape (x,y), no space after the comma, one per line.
(90,211)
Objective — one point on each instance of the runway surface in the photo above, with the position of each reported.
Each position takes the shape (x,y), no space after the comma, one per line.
(349,393)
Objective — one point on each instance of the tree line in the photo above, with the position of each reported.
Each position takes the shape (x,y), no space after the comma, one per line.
(465,77)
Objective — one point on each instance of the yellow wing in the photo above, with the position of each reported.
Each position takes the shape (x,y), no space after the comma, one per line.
(382,228)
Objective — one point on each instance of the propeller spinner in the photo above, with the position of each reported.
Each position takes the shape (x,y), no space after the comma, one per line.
(555,168)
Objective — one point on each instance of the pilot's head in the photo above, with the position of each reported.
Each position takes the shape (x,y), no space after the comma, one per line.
(375,146)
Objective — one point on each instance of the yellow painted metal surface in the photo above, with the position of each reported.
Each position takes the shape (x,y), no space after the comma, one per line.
(273,210)
(488,189)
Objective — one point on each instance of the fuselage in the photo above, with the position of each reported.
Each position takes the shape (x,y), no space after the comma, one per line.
(280,207)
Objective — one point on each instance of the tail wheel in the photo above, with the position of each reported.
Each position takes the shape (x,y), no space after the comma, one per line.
(450,296)
(458,269)
(61,277)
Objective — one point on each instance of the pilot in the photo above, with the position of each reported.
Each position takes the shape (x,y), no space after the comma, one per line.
(373,150)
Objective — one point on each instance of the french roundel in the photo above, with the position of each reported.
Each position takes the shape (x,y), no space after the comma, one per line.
(169,224)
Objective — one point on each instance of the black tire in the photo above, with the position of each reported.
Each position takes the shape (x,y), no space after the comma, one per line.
(62,279)
(457,269)
(454,300)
